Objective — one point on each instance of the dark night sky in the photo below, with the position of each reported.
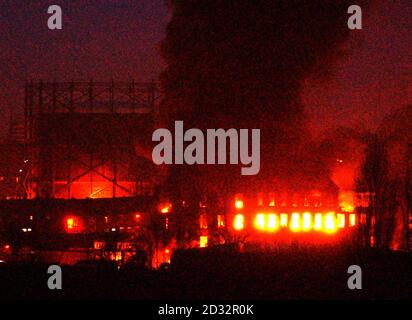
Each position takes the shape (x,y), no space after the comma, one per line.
(121,39)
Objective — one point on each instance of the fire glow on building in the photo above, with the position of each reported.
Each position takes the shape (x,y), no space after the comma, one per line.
(86,182)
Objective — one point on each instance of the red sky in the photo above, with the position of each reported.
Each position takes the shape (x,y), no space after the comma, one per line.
(104,39)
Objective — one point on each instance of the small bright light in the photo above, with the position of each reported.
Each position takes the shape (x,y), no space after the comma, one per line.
(167,251)
(113,229)
(239,222)
(239,204)
(166,208)
(24,230)
(29,229)
(220,221)
(137,216)
(70,223)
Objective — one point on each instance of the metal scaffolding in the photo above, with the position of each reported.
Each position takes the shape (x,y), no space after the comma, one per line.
(81,137)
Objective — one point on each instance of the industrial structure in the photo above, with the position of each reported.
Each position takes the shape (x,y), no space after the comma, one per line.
(81,138)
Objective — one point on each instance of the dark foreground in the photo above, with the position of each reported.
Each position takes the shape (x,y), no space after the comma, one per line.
(297,274)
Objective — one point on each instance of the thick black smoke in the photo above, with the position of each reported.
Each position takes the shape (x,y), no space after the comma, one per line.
(241,64)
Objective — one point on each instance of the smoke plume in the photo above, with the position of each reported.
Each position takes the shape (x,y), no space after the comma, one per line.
(241,64)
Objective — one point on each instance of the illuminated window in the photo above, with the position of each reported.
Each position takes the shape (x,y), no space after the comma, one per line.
(70,223)
(271,199)
(203,241)
(318,221)
(272,222)
(330,223)
(260,221)
(239,204)
(283,220)
(340,220)
(73,224)
(239,222)
(295,222)
(307,221)
(352,219)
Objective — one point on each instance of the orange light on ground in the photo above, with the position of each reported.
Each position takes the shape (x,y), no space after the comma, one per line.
(239,222)
(272,222)
(259,221)
(239,204)
(283,220)
(330,223)
(203,241)
(295,222)
(340,219)
(352,219)
(318,221)
(307,221)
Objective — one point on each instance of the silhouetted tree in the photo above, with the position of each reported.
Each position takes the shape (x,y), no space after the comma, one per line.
(372,179)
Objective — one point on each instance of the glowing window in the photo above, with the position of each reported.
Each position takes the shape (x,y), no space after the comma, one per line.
(340,220)
(352,219)
(330,223)
(283,220)
(72,224)
(273,222)
(318,221)
(239,222)
(260,221)
(239,204)
(203,241)
(307,221)
(271,199)
(295,222)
